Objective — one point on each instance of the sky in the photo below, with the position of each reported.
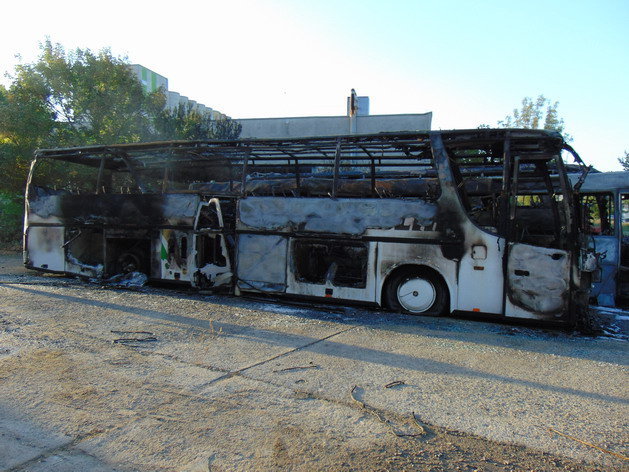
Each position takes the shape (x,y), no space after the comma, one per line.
(467,62)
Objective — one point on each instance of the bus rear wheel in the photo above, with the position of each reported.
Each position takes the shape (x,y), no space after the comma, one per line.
(417,292)
(129,261)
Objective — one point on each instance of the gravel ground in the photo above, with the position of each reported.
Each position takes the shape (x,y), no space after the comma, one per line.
(97,378)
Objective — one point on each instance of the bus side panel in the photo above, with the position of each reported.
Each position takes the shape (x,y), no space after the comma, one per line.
(175,249)
(114,209)
(103,235)
(261,263)
(319,264)
(481,277)
(538,282)
(392,255)
(340,216)
(332,268)
(44,248)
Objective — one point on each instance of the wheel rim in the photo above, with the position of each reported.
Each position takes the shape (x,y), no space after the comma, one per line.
(416,295)
(128,263)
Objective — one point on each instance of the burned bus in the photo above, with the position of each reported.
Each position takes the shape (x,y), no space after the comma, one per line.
(603,199)
(476,221)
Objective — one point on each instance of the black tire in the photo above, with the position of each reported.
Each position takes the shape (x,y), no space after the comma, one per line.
(417,292)
(129,261)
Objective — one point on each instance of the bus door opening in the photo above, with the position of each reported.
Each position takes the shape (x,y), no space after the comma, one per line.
(538,263)
(212,261)
(600,228)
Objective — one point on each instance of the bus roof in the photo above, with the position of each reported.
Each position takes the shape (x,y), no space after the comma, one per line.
(379,146)
(603,181)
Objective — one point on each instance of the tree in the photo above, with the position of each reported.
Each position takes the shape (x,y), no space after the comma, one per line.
(533,114)
(186,122)
(624,161)
(90,98)
(23,124)
(83,98)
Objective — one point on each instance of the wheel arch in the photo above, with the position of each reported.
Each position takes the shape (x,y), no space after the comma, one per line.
(390,275)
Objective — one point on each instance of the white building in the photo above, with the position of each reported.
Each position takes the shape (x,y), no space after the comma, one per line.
(357,121)
(152,81)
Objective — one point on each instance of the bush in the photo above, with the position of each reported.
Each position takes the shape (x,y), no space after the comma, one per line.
(11,219)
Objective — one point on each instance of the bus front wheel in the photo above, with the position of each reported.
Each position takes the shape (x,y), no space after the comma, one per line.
(417,292)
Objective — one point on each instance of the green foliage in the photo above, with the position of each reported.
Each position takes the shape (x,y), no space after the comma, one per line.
(88,98)
(80,98)
(62,100)
(535,114)
(185,122)
(11,215)
(24,125)
(624,161)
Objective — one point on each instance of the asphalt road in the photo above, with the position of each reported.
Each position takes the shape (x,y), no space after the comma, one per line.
(95,378)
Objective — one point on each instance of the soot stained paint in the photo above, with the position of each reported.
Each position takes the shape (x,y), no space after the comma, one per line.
(341,216)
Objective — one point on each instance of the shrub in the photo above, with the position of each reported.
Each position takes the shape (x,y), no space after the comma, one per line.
(11,219)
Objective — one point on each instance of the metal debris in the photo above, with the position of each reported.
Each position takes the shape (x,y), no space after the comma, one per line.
(148,337)
(380,417)
(130,280)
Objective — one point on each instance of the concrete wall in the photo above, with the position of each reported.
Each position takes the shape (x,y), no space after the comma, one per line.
(294,127)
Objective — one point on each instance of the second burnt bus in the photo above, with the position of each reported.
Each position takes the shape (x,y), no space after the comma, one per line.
(419,222)
(603,202)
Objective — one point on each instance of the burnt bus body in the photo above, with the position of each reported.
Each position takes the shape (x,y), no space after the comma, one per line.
(478,221)
(603,202)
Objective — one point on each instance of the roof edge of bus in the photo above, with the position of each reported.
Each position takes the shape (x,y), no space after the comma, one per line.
(101,148)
